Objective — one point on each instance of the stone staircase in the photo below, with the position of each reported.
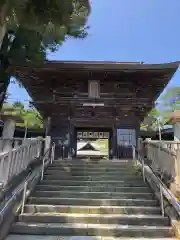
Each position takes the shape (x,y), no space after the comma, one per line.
(83,199)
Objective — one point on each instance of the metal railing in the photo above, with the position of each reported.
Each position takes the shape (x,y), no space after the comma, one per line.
(150,176)
(48,157)
(12,163)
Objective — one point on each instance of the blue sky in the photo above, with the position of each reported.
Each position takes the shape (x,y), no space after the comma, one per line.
(125,30)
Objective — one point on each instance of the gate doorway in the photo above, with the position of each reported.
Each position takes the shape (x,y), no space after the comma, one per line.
(126,138)
(94,143)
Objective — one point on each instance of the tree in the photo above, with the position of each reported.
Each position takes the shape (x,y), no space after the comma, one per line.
(168,102)
(30,28)
(15,109)
(6,96)
(41,15)
(152,120)
(31,117)
(18,105)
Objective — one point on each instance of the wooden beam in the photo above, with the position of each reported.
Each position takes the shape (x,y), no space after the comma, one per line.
(124,89)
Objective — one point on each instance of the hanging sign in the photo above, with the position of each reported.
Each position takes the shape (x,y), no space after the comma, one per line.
(99,135)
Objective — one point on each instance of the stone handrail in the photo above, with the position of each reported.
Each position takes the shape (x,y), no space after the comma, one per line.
(170,145)
(164,158)
(15,202)
(15,161)
(7,143)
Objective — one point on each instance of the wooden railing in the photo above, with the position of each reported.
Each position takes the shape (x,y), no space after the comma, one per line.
(12,163)
(163,157)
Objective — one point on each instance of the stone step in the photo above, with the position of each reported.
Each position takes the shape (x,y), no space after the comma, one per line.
(75,229)
(92,198)
(141,220)
(90,201)
(42,208)
(95,162)
(89,178)
(96,188)
(125,183)
(47,237)
(92,173)
(30,208)
(96,167)
(92,163)
(93,195)
(89,162)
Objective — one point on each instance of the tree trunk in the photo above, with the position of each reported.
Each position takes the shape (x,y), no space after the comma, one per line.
(4,75)
(4,83)
(3,14)
(4,62)
(2,33)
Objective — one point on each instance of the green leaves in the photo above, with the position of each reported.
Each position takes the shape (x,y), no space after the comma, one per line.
(18,105)
(150,122)
(171,99)
(169,102)
(46,11)
(171,93)
(31,28)
(35,14)
(35,27)
(31,117)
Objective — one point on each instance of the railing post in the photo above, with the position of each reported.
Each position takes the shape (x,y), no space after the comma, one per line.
(16,143)
(161,200)
(139,144)
(40,147)
(177,168)
(52,152)
(63,149)
(143,171)
(134,152)
(24,197)
(7,134)
(42,171)
(159,155)
(47,143)
(8,166)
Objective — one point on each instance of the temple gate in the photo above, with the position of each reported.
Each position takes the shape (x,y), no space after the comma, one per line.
(94,108)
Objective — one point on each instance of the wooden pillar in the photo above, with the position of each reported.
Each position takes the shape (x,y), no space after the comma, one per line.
(47,126)
(71,140)
(137,134)
(114,142)
(73,143)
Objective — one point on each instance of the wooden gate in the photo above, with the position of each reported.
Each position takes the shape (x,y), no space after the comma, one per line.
(126,138)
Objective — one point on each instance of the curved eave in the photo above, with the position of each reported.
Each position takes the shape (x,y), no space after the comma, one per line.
(97,65)
(157,77)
